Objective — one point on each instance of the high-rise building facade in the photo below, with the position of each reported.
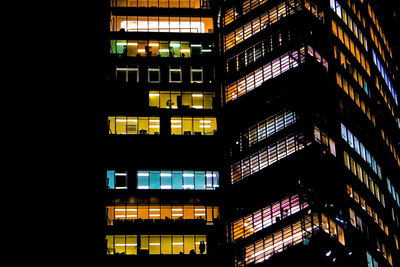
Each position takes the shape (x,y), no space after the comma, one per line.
(251,132)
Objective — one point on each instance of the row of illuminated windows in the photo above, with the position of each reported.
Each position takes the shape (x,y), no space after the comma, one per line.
(360,200)
(345,63)
(266,128)
(386,98)
(381,247)
(270,70)
(341,13)
(161,212)
(376,22)
(178,180)
(176,74)
(245,7)
(385,77)
(156,244)
(314,53)
(151,125)
(266,156)
(353,141)
(259,23)
(356,11)
(161,3)
(338,32)
(322,138)
(265,217)
(193,126)
(257,51)
(378,46)
(177,99)
(161,24)
(371,261)
(390,145)
(133,125)
(152,48)
(262,249)
(356,169)
(348,89)
(393,191)
(314,9)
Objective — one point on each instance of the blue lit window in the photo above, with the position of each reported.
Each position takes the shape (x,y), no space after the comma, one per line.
(344,131)
(350,138)
(199,180)
(188,180)
(178,180)
(155,180)
(166,179)
(143,180)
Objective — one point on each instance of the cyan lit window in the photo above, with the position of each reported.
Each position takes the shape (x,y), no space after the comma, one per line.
(117,180)
(177,180)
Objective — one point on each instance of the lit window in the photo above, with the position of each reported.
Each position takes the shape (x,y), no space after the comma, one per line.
(117,180)
(153,74)
(127,74)
(175,75)
(196,75)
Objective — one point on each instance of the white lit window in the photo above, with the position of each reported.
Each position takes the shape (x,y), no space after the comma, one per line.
(196,75)
(153,74)
(127,74)
(175,74)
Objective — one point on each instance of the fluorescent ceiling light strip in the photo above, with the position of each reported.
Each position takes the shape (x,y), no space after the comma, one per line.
(188,175)
(143,174)
(166,187)
(154,215)
(154,120)
(154,126)
(131,44)
(205,50)
(154,244)
(127,245)
(205,121)
(205,126)
(199,107)
(180,215)
(143,187)
(141,50)
(163,50)
(176,126)
(185,50)
(154,94)
(154,44)
(177,209)
(177,244)
(126,120)
(197,95)
(120,174)
(176,121)
(165,174)
(195,45)
(121,187)
(154,209)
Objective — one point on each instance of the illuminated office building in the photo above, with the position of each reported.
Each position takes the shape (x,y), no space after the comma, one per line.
(162,166)
(267,130)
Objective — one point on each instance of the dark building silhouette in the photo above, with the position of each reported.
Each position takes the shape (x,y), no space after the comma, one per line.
(260,132)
